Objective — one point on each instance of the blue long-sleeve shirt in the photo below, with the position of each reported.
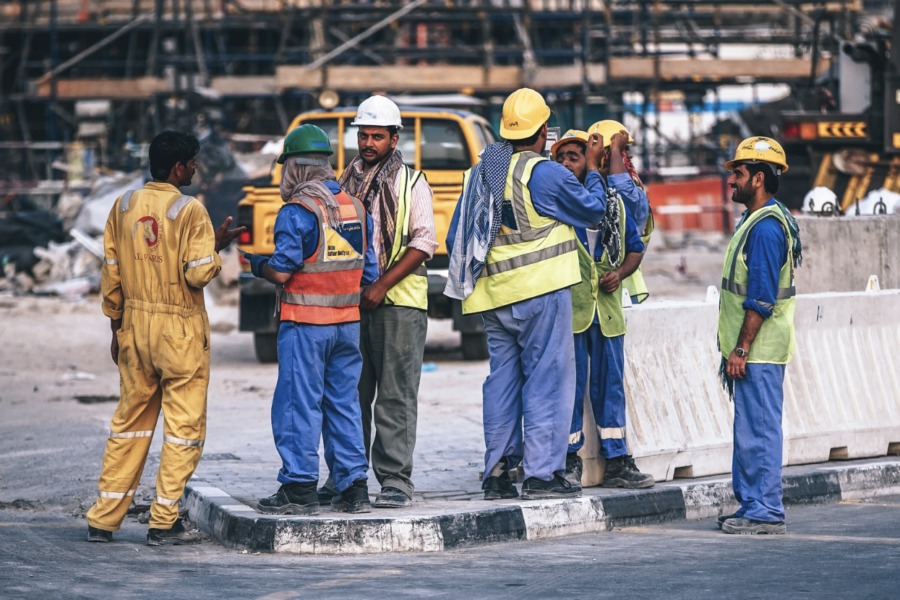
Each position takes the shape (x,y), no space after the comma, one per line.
(297,238)
(557,194)
(635,199)
(766,251)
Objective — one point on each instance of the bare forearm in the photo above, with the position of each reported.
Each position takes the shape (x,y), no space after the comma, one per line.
(630,264)
(752,322)
(409,263)
(273,276)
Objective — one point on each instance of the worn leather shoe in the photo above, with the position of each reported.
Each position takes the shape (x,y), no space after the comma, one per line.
(745,526)
(621,472)
(326,494)
(558,487)
(292,499)
(178,535)
(353,500)
(724,518)
(99,535)
(499,487)
(574,468)
(391,497)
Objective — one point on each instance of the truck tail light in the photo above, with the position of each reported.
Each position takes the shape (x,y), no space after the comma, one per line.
(791,131)
(809,130)
(245,219)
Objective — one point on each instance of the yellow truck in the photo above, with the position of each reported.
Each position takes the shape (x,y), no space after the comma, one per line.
(441,143)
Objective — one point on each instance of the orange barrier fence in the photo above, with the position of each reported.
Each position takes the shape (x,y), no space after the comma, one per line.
(695,204)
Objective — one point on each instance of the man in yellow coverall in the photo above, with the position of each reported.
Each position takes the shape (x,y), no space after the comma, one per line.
(160,252)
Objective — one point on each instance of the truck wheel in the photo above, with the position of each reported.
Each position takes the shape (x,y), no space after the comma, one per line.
(475,346)
(266,345)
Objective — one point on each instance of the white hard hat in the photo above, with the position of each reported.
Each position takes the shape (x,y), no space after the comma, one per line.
(378,111)
(818,197)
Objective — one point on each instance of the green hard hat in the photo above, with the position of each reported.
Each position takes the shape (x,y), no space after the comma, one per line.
(305,139)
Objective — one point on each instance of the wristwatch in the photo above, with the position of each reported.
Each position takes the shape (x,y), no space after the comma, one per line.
(741,353)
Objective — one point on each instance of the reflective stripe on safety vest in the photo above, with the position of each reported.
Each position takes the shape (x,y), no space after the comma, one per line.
(412,290)
(775,341)
(326,290)
(536,255)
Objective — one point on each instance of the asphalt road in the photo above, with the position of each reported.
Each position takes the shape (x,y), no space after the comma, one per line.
(847,550)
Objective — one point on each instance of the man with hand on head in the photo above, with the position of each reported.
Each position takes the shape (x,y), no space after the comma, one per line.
(323,254)
(609,253)
(513,257)
(161,251)
(393,317)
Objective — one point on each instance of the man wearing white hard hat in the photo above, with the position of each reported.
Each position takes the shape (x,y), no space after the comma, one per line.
(393,310)
(513,258)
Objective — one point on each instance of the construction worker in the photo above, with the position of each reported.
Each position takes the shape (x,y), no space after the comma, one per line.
(161,251)
(631,189)
(756,332)
(613,251)
(393,316)
(513,256)
(323,253)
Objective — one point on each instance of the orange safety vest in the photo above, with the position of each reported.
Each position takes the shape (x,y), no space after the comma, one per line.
(326,290)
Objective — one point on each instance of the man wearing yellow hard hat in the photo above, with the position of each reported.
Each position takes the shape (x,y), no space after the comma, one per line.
(612,251)
(756,332)
(513,257)
(631,189)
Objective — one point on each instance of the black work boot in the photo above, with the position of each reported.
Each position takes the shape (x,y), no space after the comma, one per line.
(724,518)
(391,497)
(326,494)
(574,467)
(99,535)
(178,535)
(292,499)
(622,472)
(353,500)
(745,526)
(558,487)
(499,487)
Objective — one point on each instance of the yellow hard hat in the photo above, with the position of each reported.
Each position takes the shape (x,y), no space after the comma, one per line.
(572,135)
(760,149)
(523,114)
(608,129)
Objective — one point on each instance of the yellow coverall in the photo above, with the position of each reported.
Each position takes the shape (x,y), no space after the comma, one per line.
(160,253)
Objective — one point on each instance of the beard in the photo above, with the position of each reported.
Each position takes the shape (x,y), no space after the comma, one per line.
(742,195)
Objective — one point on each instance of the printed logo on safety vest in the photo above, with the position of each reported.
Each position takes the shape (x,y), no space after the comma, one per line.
(148,228)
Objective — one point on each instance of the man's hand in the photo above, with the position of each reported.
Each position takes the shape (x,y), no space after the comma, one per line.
(736,367)
(371,296)
(115,325)
(225,236)
(256,262)
(609,281)
(619,141)
(595,152)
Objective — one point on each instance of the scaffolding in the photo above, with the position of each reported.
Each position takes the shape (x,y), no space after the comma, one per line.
(249,65)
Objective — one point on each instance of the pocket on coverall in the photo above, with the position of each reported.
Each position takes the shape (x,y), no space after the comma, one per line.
(181,355)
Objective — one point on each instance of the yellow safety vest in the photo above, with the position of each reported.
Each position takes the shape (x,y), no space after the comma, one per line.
(539,256)
(634,283)
(775,341)
(412,290)
(607,306)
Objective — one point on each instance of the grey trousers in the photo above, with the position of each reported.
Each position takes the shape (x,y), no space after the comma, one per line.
(392,342)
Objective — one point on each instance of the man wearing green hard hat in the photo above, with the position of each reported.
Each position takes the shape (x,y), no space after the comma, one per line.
(323,254)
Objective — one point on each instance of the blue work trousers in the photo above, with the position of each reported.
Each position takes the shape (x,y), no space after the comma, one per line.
(532,382)
(758,438)
(606,357)
(316,394)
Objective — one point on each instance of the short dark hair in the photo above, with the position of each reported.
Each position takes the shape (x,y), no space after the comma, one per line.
(170,148)
(529,141)
(770,179)
(393,130)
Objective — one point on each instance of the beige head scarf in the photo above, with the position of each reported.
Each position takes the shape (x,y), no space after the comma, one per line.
(304,176)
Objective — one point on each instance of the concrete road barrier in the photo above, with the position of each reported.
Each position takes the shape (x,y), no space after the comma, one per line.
(842,390)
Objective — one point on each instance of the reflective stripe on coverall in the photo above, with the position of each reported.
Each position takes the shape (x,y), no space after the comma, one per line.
(160,253)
